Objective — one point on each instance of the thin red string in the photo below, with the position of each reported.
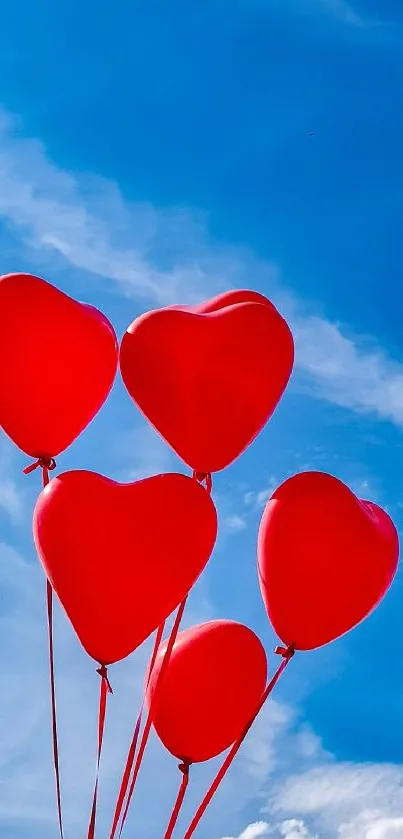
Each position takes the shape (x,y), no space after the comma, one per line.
(287,655)
(48,465)
(132,750)
(103,698)
(49,598)
(149,720)
(184,768)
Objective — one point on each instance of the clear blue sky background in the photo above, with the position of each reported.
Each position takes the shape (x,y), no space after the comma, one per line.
(152,152)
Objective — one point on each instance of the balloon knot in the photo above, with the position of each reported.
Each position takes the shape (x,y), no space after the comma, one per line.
(204,478)
(47,463)
(184,767)
(285,652)
(103,672)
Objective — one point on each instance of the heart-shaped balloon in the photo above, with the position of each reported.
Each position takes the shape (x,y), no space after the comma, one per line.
(209,377)
(210,691)
(325,559)
(121,557)
(58,361)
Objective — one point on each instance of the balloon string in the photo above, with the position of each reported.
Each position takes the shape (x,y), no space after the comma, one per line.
(149,720)
(48,465)
(103,698)
(132,750)
(49,597)
(184,768)
(287,655)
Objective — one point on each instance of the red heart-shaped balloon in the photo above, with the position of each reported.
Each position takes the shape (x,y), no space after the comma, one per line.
(209,377)
(121,557)
(325,559)
(58,361)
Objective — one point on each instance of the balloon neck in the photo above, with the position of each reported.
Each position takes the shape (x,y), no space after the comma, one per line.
(205,479)
(285,652)
(103,672)
(184,767)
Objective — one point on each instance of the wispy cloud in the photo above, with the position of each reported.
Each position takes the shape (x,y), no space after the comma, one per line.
(145,453)
(11,496)
(345,371)
(10,499)
(88,224)
(257,499)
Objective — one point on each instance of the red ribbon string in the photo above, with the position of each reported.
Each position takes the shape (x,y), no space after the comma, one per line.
(48,464)
(49,598)
(287,655)
(184,768)
(103,698)
(132,750)
(149,720)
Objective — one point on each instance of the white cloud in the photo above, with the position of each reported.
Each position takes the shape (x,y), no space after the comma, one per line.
(370,825)
(289,829)
(271,731)
(253,831)
(295,829)
(346,801)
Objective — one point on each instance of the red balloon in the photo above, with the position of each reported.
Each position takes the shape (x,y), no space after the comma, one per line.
(325,559)
(58,361)
(210,690)
(121,557)
(208,377)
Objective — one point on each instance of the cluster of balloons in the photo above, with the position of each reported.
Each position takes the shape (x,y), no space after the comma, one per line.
(122,557)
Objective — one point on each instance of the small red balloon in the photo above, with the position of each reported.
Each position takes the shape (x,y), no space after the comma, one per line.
(121,557)
(210,690)
(209,377)
(325,559)
(58,361)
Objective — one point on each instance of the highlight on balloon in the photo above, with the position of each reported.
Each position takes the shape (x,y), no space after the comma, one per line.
(122,558)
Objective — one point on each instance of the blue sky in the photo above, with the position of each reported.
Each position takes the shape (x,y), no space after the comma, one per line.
(161,152)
